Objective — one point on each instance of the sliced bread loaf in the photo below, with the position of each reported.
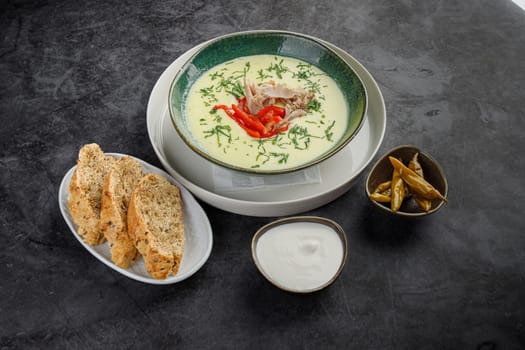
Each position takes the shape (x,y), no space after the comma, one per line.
(85,191)
(120,183)
(155,223)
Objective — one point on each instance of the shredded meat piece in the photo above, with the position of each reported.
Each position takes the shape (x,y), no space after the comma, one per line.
(271,93)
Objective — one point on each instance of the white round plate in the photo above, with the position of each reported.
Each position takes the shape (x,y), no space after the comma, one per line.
(338,173)
(197,231)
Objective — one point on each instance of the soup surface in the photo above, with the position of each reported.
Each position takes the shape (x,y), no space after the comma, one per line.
(305,138)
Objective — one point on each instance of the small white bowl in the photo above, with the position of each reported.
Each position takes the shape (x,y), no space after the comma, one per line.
(301,254)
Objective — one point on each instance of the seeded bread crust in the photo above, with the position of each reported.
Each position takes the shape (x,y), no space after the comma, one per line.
(155,223)
(85,192)
(119,184)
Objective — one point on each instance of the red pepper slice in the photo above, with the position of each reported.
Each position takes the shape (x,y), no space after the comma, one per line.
(271,122)
(251,121)
(227,109)
(253,133)
(270,118)
(260,126)
(275,110)
(242,104)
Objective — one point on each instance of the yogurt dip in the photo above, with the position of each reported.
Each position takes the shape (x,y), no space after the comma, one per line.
(300,256)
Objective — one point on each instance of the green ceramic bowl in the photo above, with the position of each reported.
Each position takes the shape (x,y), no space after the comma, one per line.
(232,46)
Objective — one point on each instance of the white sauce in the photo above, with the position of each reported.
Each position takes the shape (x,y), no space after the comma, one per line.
(300,256)
(245,151)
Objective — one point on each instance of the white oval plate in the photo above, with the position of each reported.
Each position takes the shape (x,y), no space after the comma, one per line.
(197,231)
(338,173)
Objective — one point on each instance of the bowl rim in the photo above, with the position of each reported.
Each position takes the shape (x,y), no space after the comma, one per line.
(403,213)
(257,171)
(294,219)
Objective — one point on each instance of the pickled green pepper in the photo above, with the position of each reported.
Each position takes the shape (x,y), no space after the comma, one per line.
(398,191)
(416,183)
(414,165)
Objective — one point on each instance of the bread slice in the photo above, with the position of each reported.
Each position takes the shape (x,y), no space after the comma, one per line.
(85,192)
(155,223)
(120,183)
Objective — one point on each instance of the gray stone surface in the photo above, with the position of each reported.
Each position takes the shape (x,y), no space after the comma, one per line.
(452,74)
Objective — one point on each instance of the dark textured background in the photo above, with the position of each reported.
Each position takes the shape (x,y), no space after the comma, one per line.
(453,77)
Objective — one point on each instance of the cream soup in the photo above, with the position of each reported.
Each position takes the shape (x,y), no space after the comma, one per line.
(306,138)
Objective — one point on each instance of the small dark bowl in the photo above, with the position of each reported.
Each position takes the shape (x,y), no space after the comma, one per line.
(382,171)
